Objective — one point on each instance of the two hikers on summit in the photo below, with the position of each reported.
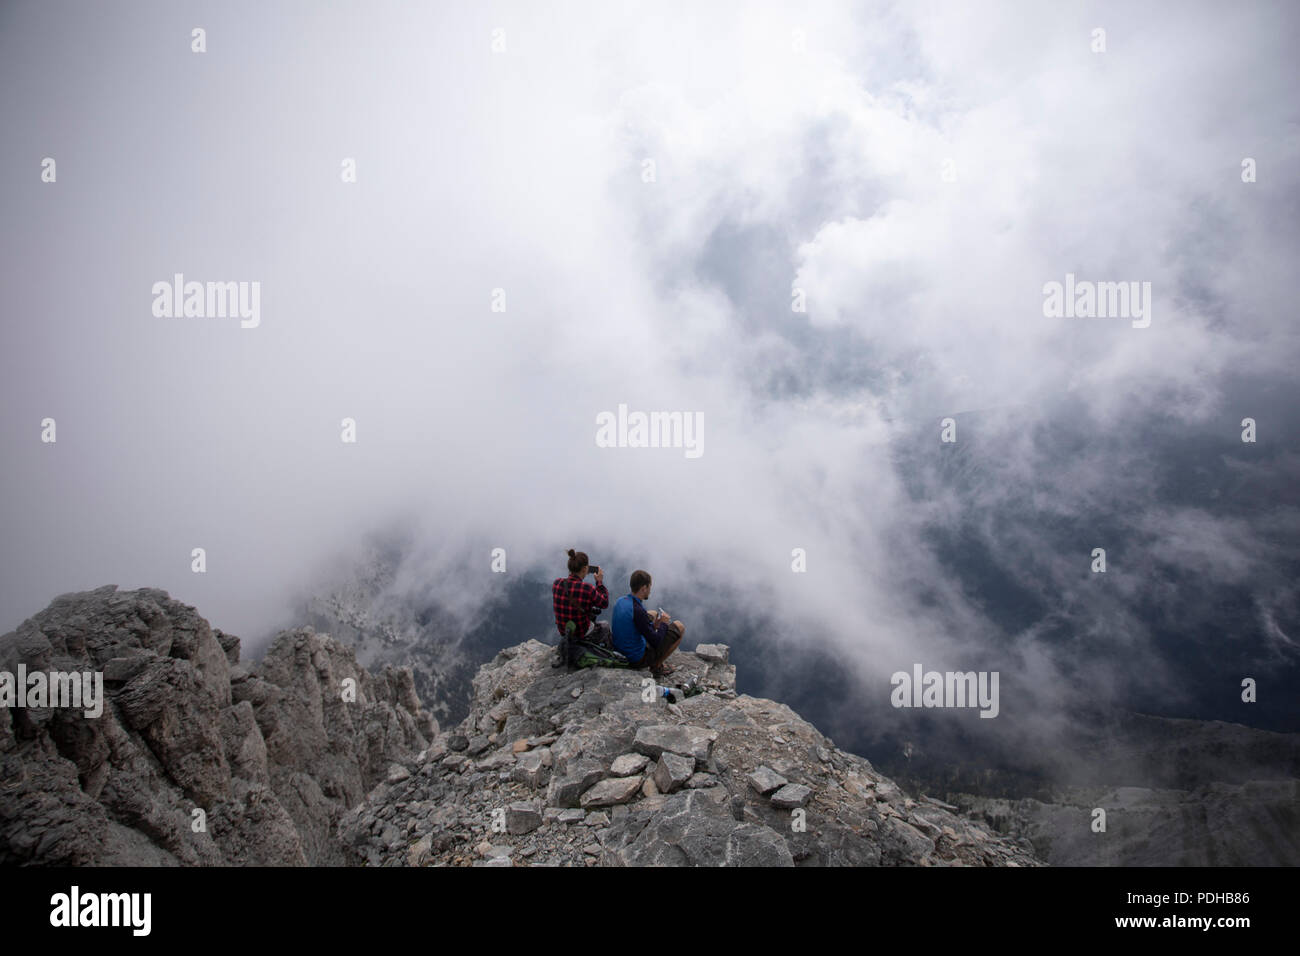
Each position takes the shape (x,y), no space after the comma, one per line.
(645,639)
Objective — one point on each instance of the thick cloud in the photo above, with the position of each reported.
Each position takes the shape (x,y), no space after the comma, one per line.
(918,171)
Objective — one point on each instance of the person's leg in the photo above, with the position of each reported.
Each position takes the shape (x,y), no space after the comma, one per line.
(669,645)
(672,645)
(650,660)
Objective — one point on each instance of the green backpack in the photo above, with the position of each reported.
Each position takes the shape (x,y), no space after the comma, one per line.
(585,654)
(577,654)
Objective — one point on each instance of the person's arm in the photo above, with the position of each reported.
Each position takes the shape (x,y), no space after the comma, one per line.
(651,632)
(599,595)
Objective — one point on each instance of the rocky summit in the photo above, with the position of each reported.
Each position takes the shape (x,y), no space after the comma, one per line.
(588,768)
(305,758)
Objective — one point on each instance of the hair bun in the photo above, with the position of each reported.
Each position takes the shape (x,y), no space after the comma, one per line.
(572,553)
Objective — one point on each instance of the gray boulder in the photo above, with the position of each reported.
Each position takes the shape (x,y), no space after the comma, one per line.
(628,764)
(566,790)
(523,818)
(765,780)
(790,796)
(691,831)
(682,739)
(612,791)
(531,768)
(672,771)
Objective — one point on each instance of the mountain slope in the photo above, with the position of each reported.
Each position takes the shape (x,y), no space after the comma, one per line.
(559,768)
(1176,793)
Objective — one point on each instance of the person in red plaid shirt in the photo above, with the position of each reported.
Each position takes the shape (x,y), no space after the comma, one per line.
(577,601)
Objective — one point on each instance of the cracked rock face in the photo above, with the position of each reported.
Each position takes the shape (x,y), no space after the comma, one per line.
(197,759)
(635,783)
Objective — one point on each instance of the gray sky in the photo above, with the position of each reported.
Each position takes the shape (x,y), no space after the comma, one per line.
(821,168)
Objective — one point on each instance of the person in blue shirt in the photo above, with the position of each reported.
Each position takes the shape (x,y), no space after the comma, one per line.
(646,639)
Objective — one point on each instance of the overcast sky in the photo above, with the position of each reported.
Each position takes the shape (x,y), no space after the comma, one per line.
(919,171)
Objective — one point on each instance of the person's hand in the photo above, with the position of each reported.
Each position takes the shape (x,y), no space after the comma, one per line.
(600,575)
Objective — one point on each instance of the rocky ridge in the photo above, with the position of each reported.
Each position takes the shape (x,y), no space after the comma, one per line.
(272,753)
(554,768)
(305,758)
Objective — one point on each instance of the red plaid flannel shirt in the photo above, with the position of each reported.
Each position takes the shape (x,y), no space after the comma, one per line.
(573,599)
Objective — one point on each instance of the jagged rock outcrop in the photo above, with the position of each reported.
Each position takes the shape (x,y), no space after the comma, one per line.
(272,753)
(559,768)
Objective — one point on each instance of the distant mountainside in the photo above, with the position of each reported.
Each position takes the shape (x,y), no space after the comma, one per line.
(1176,793)
(361,610)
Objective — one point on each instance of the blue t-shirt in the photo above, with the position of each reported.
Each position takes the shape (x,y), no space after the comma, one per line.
(632,629)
